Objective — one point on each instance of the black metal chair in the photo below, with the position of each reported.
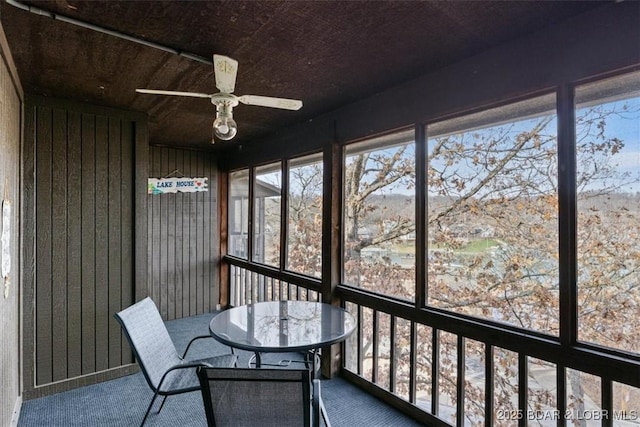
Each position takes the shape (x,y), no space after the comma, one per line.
(261,397)
(166,372)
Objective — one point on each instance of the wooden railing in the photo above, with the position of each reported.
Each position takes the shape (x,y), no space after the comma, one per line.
(446,369)
(251,283)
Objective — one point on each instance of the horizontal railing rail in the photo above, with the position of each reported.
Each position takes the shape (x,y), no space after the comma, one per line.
(583,357)
(452,370)
(251,283)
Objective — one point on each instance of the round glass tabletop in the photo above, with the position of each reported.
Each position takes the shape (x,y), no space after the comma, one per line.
(282,326)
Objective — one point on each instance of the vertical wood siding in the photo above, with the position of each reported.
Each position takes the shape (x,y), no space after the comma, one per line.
(182,237)
(85,237)
(10,124)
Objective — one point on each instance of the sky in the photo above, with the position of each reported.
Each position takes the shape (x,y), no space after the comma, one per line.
(625,127)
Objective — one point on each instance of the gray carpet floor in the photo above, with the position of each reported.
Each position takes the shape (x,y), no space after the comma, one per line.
(122,402)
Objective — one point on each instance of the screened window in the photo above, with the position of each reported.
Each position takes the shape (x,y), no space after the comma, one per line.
(608,211)
(304,220)
(239,213)
(492,215)
(379,215)
(267,195)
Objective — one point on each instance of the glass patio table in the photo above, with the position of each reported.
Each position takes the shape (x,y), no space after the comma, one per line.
(282,326)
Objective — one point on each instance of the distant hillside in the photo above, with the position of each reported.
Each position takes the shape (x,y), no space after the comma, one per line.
(394,205)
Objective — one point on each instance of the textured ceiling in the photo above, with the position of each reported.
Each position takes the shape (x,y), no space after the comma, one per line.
(327,53)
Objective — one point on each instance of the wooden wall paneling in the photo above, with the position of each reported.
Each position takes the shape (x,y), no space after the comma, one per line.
(44,368)
(162,248)
(102,242)
(193,250)
(187,274)
(185,220)
(28,261)
(186,233)
(114,247)
(149,254)
(171,243)
(214,235)
(201,261)
(150,200)
(59,244)
(196,231)
(168,202)
(74,244)
(210,242)
(86,257)
(183,248)
(127,203)
(88,244)
(181,281)
(157,239)
(13,189)
(207,222)
(154,242)
(178,274)
(141,174)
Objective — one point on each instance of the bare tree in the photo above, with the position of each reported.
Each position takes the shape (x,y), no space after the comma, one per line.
(492,220)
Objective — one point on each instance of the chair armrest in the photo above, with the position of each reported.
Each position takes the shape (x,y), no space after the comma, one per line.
(189,365)
(192,341)
(198,338)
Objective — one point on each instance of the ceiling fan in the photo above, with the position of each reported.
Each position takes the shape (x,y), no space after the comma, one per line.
(225,68)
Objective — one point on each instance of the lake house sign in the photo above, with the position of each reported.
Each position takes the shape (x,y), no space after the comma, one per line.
(173,185)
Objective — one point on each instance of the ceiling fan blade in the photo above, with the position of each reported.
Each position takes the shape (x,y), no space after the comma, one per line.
(172,92)
(225,69)
(267,101)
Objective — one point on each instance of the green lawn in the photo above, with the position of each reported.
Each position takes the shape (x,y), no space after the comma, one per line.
(471,247)
(479,245)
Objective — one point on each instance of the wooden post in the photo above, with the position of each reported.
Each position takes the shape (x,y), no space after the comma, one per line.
(223,267)
(331,244)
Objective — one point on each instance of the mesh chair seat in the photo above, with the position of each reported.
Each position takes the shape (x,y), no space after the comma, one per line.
(260,397)
(166,371)
(187,379)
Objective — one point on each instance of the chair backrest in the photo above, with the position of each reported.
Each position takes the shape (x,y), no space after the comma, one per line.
(149,340)
(249,397)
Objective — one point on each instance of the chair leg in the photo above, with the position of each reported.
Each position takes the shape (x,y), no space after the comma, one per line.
(162,404)
(155,394)
(323,412)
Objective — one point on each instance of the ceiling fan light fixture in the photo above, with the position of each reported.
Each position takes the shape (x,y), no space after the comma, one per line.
(224,127)
(225,69)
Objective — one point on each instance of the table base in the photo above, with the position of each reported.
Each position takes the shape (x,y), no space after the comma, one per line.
(311,360)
